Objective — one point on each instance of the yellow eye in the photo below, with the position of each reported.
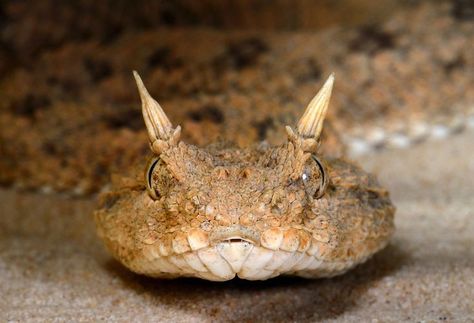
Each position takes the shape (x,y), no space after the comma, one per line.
(315,178)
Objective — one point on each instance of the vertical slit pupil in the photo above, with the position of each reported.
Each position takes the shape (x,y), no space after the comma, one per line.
(321,189)
(150,172)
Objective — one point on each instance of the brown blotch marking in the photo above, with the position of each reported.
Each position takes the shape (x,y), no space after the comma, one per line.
(263,127)
(163,57)
(29,104)
(97,69)
(122,116)
(207,112)
(456,64)
(241,54)
(310,71)
(463,9)
(371,39)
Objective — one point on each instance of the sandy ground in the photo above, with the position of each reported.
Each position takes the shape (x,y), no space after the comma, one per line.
(52,267)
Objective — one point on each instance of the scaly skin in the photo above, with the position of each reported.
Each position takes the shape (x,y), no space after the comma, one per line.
(257,213)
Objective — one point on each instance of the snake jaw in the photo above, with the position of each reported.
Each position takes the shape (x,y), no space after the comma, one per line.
(236,257)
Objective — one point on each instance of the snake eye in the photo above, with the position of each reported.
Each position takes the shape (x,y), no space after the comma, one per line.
(158,178)
(315,178)
(154,194)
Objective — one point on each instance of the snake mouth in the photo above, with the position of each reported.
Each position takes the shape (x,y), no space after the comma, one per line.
(234,235)
(236,240)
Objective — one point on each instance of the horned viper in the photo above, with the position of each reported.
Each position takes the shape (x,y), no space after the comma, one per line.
(256,213)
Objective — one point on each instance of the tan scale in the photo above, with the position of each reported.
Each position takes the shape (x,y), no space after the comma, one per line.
(255,213)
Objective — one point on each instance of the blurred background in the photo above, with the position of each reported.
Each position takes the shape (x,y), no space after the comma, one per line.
(237,70)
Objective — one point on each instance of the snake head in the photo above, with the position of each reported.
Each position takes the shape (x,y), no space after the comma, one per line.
(259,212)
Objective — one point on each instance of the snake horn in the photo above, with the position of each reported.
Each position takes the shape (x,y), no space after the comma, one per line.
(311,123)
(158,125)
